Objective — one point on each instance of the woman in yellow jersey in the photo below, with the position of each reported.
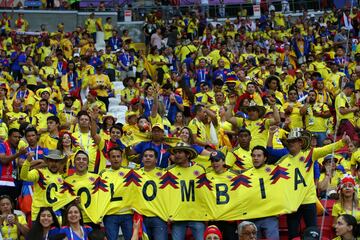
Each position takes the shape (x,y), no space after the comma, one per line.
(346,228)
(187,136)
(108,122)
(130,91)
(330,176)
(348,201)
(179,123)
(272,83)
(292,110)
(144,78)
(66,145)
(12,225)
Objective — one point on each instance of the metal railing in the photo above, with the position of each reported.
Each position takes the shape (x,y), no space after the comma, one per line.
(141,8)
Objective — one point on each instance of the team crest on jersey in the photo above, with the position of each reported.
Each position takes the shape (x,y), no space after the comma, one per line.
(302,159)
(60,180)
(229,177)
(92,179)
(158,174)
(196,173)
(268,169)
(121,174)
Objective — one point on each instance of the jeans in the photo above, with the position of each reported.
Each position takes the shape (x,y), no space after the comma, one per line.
(320,137)
(112,224)
(308,211)
(267,228)
(156,228)
(179,229)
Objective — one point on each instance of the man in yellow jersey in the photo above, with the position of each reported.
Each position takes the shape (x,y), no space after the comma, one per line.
(30,71)
(47,181)
(90,26)
(198,127)
(48,69)
(254,122)
(108,29)
(240,157)
(82,182)
(40,119)
(297,153)
(50,139)
(345,109)
(122,219)
(155,226)
(110,60)
(100,82)
(183,154)
(17,116)
(316,117)
(87,139)
(268,227)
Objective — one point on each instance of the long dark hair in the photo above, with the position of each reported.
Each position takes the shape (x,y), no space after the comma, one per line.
(351,221)
(37,230)
(65,216)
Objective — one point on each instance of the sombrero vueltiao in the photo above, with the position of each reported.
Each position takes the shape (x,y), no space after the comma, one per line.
(260,109)
(298,133)
(181,146)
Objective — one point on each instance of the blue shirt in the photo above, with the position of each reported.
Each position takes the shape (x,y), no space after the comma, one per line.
(126,60)
(71,235)
(161,150)
(16,59)
(171,108)
(221,72)
(95,61)
(115,43)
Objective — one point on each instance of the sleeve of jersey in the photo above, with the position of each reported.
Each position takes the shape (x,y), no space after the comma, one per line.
(26,174)
(336,210)
(323,151)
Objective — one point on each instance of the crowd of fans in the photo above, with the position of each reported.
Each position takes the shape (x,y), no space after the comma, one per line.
(240,94)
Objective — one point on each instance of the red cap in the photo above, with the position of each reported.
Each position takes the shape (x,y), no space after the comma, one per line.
(212,230)
(93,93)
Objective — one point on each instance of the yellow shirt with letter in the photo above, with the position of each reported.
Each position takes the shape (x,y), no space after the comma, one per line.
(46,184)
(82,184)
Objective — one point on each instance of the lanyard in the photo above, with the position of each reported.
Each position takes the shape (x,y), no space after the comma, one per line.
(149,103)
(36,152)
(167,103)
(202,75)
(161,154)
(72,234)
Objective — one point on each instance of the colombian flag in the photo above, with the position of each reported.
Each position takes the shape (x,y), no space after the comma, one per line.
(25,199)
(142,231)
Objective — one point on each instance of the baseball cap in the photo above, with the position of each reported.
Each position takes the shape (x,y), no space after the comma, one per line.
(311,233)
(158,125)
(217,156)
